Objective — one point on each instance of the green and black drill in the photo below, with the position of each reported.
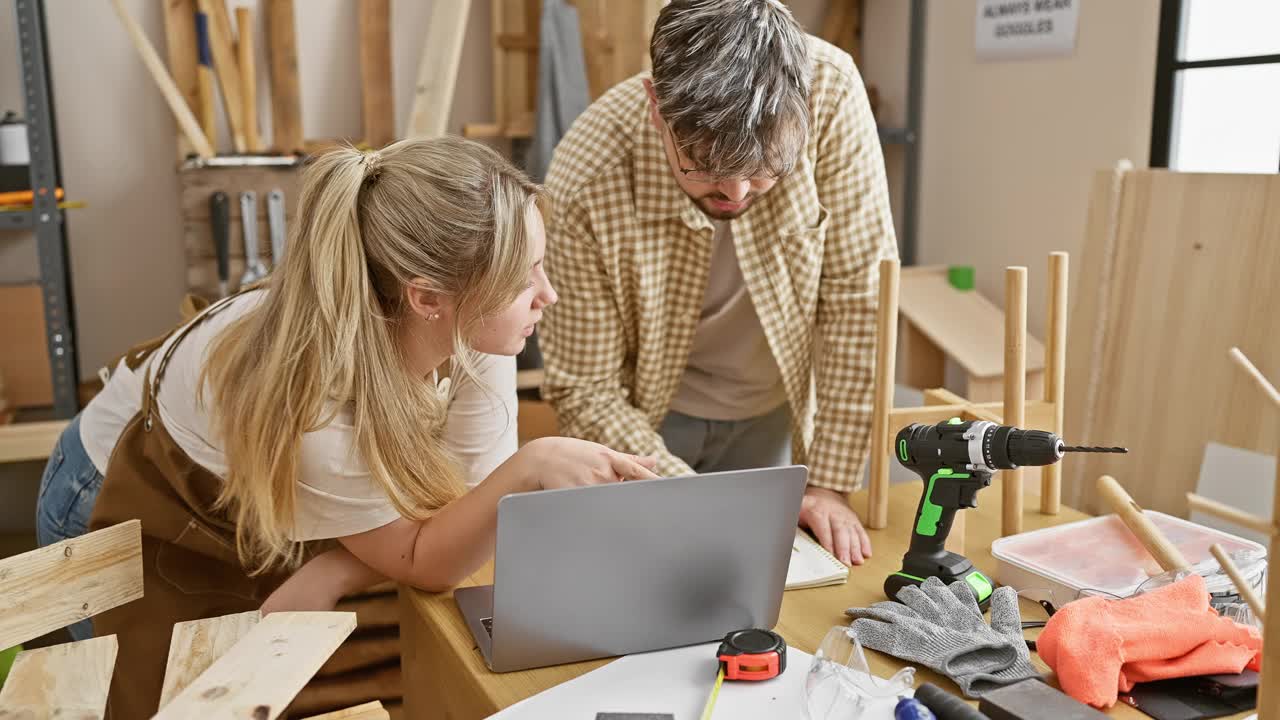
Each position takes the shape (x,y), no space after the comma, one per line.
(956,459)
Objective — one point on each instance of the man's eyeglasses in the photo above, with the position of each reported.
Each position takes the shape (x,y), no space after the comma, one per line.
(706,176)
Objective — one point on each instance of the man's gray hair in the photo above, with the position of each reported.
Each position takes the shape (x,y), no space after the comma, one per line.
(732,79)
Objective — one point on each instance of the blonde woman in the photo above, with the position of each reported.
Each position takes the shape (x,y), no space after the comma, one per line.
(309,409)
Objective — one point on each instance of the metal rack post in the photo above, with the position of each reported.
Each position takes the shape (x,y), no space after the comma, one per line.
(915,91)
(45,217)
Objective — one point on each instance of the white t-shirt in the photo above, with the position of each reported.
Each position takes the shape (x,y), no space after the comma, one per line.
(336,495)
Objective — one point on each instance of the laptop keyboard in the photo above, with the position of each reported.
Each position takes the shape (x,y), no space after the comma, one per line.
(488,625)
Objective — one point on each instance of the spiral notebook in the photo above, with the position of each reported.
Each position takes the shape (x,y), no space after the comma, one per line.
(812,566)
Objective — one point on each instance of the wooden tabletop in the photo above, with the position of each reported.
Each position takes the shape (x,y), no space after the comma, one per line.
(445,676)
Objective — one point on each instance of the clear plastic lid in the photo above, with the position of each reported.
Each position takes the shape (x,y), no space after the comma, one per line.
(1101,554)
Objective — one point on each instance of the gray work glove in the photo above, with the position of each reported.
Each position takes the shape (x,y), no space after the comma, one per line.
(942,628)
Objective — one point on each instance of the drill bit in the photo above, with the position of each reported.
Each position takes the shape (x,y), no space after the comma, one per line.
(1090,449)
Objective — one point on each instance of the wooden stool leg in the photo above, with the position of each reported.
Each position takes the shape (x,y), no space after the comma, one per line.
(886,356)
(1055,376)
(1015,382)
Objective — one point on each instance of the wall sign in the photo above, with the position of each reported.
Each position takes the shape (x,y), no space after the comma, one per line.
(1009,29)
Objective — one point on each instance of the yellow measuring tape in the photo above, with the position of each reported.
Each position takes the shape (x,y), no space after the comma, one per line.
(715,693)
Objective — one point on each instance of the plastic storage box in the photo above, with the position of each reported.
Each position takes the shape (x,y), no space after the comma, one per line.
(1100,555)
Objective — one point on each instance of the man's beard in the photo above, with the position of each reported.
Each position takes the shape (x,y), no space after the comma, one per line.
(704,204)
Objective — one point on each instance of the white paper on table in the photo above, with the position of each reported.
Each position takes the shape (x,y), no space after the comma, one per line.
(677,682)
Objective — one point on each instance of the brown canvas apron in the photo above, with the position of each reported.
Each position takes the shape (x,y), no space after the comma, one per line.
(190,566)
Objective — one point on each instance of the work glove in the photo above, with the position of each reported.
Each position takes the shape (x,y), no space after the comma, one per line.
(943,629)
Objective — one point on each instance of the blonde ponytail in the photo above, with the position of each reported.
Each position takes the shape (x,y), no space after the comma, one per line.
(323,340)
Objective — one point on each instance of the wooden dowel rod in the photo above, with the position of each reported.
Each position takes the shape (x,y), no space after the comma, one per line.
(1242,586)
(1015,388)
(886,356)
(1055,375)
(1253,370)
(248,79)
(1236,516)
(177,104)
(1140,525)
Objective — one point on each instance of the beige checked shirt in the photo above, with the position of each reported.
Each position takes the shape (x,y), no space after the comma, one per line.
(629,254)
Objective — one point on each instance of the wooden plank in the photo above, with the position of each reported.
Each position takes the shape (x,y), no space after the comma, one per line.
(368,711)
(180,43)
(24,348)
(326,693)
(1192,274)
(56,585)
(248,66)
(24,441)
(286,90)
(226,68)
(61,681)
(375,71)
(961,322)
(260,675)
(196,644)
(438,69)
(1015,387)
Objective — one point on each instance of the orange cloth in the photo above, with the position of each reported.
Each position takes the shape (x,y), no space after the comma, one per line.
(1100,648)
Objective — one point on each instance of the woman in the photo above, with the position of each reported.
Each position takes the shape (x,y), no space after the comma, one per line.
(308,409)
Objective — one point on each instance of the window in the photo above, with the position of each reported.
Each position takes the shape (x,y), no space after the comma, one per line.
(1217,99)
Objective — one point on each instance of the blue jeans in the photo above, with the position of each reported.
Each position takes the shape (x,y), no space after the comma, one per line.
(68,491)
(716,445)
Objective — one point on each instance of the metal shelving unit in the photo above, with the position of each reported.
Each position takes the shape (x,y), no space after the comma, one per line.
(45,218)
(909,136)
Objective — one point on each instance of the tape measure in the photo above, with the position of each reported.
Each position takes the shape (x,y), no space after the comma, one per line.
(747,655)
(752,655)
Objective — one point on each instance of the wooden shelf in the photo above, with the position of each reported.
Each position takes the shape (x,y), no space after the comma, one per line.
(24,441)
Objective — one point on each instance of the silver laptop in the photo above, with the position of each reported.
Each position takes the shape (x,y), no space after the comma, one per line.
(629,567)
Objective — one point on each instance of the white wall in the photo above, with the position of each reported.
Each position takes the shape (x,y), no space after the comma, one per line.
(1009,148)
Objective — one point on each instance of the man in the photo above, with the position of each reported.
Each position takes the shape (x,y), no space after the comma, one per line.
(715,235)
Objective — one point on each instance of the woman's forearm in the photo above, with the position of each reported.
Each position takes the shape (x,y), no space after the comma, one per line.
(322,582)
(437,553)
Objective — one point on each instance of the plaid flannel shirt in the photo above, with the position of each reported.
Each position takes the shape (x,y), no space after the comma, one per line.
(630,254)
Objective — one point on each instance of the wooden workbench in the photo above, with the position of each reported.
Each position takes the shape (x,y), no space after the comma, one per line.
(445,676)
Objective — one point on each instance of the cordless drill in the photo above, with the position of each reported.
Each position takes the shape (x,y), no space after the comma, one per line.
(956,459)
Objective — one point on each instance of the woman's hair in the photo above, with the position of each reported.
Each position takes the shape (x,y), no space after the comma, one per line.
(446,211)
(732,78)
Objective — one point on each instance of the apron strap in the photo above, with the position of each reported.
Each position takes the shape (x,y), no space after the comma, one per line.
(151,385)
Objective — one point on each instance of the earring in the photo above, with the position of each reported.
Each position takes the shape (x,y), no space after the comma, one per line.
(433,316)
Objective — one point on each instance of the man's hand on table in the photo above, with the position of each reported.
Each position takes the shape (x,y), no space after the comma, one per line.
(826,513)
